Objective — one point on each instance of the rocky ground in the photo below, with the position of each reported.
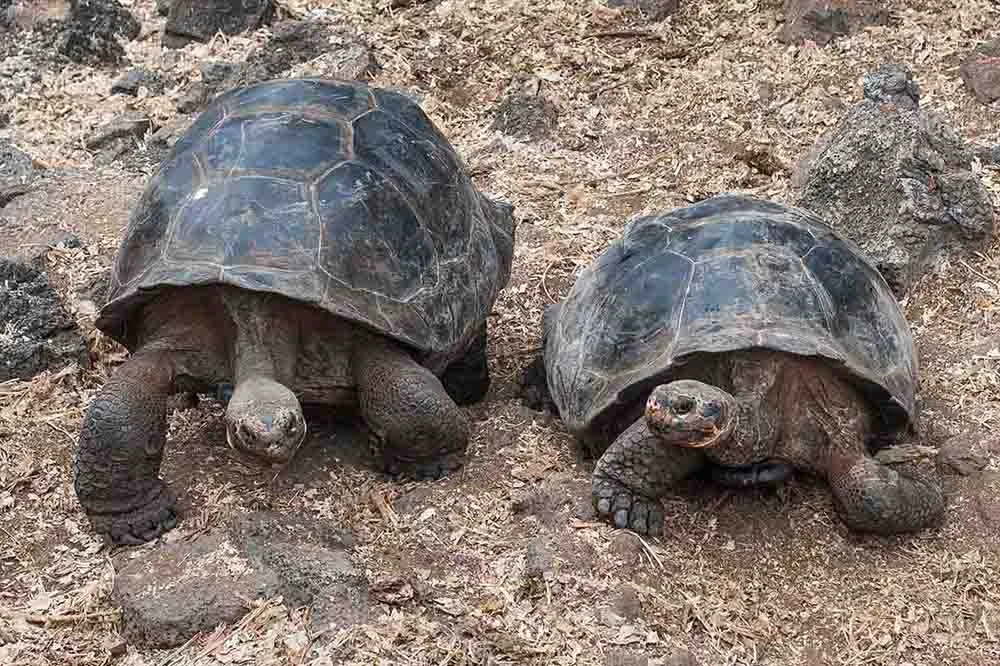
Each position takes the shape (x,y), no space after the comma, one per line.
(581,115)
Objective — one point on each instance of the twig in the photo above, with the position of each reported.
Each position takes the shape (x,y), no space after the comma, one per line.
(623,34)
(649,551)
(545,277)
(60,429)
(71,618)
(386,511)
(980,275)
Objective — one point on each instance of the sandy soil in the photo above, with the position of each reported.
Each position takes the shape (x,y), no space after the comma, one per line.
(502,563)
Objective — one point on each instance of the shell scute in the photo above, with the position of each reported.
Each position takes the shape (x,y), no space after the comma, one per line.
(339,98)
(360,253)
(428,176)
(250,221)
(402,108)
(144,239)
(275,143)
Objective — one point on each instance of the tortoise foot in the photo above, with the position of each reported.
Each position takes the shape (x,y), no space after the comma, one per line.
(138,525)
(626,510)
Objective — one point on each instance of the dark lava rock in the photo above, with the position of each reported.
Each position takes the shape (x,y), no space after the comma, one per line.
(657,10)
(896,180)
(90,34)
(178,589)
(136,78)
(525,113)
(965,454)
(163,7)
(118,137)
(823,20)
(199,20)
(17,171)
(36,331)
(980,72)
(892,84)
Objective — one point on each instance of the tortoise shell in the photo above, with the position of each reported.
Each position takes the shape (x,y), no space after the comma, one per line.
(331,193)
(728,273)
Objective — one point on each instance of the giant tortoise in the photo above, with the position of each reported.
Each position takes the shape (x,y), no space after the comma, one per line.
(310,241)
(742,338)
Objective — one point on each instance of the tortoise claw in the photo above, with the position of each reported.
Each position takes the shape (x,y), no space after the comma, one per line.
(619,506)
(138,526)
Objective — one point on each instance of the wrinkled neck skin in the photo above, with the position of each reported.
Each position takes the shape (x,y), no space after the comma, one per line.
(748,384)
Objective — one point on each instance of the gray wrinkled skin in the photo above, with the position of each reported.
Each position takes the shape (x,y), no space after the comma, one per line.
(896,179)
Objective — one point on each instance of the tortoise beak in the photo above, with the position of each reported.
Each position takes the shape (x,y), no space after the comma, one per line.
(710,439)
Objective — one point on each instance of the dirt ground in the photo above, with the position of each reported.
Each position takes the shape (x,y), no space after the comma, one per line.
(503,563)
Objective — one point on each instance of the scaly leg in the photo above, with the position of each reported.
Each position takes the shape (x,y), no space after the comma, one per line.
(868,495)
(120,450)
(873,497)
(417,428)
(634,473)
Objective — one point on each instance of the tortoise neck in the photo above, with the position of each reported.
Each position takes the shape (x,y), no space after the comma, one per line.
(265,336)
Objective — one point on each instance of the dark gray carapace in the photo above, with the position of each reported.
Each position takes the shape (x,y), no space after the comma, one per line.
(327,192)
(728,273)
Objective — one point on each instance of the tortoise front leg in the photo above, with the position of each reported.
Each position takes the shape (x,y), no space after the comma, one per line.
(415,427)
(872,497)
(120,449)
(634,473)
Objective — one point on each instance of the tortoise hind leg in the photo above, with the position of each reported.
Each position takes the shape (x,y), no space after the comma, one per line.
(120,450)
(467,380)
(872,497)
(634,473)
(868,495)
(415,427)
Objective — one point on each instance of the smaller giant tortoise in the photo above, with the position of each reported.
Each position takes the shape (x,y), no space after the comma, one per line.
(306,240)
(742,338)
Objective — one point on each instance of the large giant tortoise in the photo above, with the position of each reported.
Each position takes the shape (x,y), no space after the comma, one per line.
(745,338)
(306,240)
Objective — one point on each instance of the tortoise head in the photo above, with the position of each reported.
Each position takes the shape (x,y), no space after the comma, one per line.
(691,414)
(264,419)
